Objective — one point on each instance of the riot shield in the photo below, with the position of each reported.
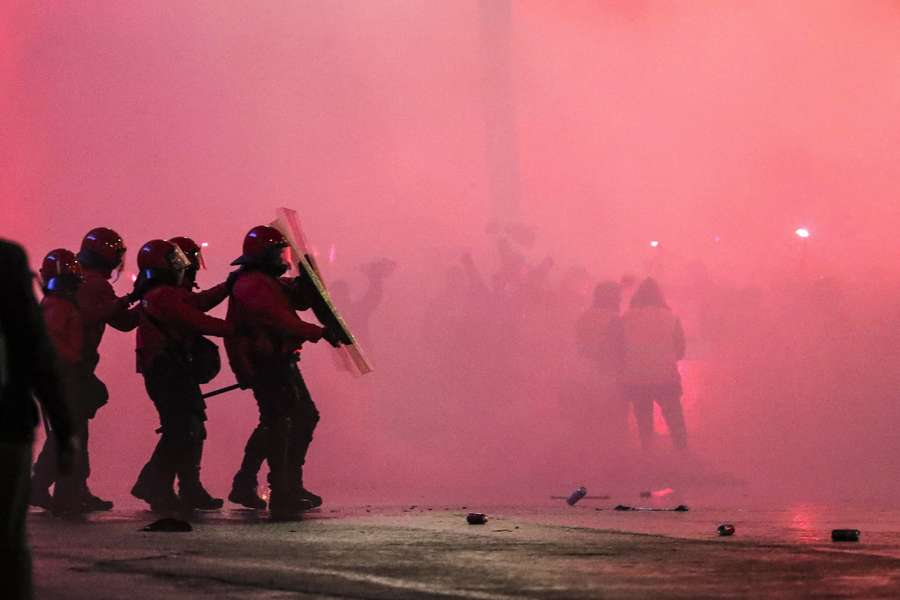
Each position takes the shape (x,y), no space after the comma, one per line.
(288,224)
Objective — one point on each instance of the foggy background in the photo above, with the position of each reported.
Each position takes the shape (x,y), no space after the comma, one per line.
(550,143)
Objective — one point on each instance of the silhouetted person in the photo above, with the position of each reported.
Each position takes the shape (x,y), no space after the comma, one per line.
(359,311)
(169,347)
(600,334)
(263,355)
(102,253)
(61,276)
(599,337)
(654,343)
(27,366)
(189,474)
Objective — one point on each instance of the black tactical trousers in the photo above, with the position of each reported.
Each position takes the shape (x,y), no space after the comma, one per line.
(182,413)
(70,489)
(287,420)
(85,394)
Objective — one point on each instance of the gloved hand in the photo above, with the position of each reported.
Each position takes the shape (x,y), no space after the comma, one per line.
(334,336)
(139,289)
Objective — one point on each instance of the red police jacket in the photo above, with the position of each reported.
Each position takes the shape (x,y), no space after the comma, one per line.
(65,327)
(263,311)
(171,316)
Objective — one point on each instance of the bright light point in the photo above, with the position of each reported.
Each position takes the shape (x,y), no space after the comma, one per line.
(654,244)
(662,493)
(204,244)
(802,232)
(133,278)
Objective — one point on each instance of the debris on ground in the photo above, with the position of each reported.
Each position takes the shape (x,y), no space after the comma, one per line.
(726,529)
(476,518)
(624,507)
(845,535)
(169,525)
(577,495)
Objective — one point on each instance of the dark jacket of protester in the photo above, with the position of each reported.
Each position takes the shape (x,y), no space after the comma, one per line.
(654,343)
(600,333)
(27,366)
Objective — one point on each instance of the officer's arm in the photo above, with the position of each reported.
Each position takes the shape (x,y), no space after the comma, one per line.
(171,307)
(300,290)
(271,312)
(98,303)
(209,299)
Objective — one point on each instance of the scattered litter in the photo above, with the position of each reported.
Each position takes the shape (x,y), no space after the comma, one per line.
(726,529)
(413,507)
(577,495)
(169,525)
(476,518)
(845,535)
(503,531)
(679,508)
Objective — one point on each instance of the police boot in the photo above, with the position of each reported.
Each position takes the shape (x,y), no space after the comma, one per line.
(195,497)
(159,500)
(246,495)
(92,503)
(66,499)
(66,507)
(40,496)
(286,507)
(307,496)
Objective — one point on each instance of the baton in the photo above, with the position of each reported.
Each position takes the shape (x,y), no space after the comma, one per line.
(223,390)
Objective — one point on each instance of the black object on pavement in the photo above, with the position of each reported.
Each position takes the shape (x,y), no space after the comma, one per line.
(476,518)
(169,525)
(726,529)
(577,495)
(845,535)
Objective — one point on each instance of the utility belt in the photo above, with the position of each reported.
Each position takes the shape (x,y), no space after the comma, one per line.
(85,393)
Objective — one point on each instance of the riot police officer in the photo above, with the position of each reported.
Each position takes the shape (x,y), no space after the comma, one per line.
(175,359)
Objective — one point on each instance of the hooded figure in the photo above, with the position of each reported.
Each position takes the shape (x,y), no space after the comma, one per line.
(654,343)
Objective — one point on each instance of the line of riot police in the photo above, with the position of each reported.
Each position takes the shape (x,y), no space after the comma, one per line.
(262,335)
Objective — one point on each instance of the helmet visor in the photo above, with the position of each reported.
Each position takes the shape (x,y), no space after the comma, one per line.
(287,257)
(117,270)
(180,261)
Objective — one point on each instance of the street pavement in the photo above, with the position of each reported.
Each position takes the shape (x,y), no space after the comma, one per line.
(431,552)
